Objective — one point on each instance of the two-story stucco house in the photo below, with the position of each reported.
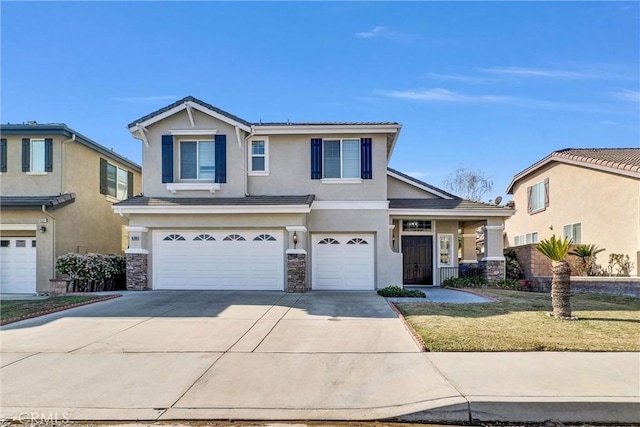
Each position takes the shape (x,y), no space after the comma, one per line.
(230,204)
(56,191)
(591,195)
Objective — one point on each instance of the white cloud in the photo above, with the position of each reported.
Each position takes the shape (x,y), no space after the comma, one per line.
(627,95)
(443,95)
(537,72)
(384,32)
(145,99)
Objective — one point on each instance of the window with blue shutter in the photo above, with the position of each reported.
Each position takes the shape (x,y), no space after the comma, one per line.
(26,154)
(366,167)
(167,158)
(3,155)
(48,155)
(316,158)
(221,159)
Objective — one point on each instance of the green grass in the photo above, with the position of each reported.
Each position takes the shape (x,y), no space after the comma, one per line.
(518,322)
(18,308)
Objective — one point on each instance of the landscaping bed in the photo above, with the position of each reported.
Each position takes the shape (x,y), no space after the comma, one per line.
(517,321)
(16,310)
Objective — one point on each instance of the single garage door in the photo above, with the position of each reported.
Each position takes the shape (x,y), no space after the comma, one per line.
(343,262)
(218,260)
(18,265)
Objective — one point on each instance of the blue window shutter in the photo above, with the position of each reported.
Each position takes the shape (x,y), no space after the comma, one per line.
(316,158)
(167,158)
(3,155)
(103,176)
(129,184)
(221,159)
(366,167)
(26,155)
(48,155)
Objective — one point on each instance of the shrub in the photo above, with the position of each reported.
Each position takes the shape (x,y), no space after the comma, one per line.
(480,282)
(91,270)
(398,292)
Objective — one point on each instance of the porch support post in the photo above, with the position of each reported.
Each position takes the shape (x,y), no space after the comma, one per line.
(469,245)
(493,249)
(297,259)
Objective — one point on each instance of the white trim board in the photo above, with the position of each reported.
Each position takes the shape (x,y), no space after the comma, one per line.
(463,213)
(349,205)
(245,209)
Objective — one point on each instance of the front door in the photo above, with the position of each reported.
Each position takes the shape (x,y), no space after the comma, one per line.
(417,252)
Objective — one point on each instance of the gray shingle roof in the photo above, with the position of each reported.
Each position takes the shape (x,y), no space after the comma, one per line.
(246,123)
(439,204)
(218,201)
(417,181)
(49,129)
(36,202)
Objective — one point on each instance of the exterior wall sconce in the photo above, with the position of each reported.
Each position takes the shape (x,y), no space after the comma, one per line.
(295,240)
(43,229)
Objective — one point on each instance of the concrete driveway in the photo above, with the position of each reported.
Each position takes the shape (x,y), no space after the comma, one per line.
(219,355)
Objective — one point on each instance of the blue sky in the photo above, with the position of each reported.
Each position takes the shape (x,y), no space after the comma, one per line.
(489,85)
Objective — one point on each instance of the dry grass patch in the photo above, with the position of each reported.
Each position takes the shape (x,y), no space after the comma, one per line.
(518,322)
(13,309)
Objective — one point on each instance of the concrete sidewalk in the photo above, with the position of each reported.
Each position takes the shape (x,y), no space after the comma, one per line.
(276,356)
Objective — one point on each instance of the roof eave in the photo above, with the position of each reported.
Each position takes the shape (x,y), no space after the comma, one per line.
(212,209)
(294,129)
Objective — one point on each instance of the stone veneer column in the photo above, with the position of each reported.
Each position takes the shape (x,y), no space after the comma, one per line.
(296,271)
(137,265)
(494,270)
(137,272)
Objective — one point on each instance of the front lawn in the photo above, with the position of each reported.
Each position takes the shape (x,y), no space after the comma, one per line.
(14,309)
(517,321)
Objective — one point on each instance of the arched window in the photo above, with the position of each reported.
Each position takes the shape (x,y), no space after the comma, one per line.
(357,241)
(328,241)
(204,237)
(234,237)
(264,238)
(174,237)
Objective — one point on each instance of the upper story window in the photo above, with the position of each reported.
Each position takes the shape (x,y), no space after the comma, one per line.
(198,160)
(573,232)
(259,156)
(114,181)
(341,158)
(538,196)
(37,155)
(525,239)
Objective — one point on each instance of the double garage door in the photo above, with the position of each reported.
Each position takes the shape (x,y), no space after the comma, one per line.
(218,260)
(254,260)
(18,265)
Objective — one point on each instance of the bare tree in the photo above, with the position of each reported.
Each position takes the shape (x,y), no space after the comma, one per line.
(468,183)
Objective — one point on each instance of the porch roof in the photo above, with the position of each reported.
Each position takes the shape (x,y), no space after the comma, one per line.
(36,202)
(447,207)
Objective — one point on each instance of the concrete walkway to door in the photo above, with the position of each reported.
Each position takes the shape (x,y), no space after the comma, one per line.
(276,356)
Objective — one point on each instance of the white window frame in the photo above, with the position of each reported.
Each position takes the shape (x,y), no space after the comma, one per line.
(526,239)
(539,189)
(250,157)
(572,228)
(117,197)
(197,141)
(342,179)
(453,252)
(33,171)
(519,240)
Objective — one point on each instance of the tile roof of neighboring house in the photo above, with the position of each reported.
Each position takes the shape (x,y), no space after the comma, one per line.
(441,204)
(48,129)
(238,119)
(36,202)
(417,181)
(624,161)
(218,201)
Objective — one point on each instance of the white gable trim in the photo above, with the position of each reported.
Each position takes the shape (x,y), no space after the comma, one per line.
(189,105)
(421,187)
(228,209)
(324,129)
(461,213)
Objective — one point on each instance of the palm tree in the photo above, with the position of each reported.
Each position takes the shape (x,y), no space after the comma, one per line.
(556,250)
(587,254)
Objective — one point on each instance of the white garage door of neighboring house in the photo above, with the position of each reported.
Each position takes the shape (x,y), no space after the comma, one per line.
(18,265)
(218,260)
(343,262)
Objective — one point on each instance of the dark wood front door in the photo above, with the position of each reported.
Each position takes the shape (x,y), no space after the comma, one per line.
(417,253)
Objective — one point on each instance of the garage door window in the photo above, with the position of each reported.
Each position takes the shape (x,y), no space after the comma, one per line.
(357,241)
(204,237)
(234,237)
(264,238)
(4,243)
(328,241)
(174,237)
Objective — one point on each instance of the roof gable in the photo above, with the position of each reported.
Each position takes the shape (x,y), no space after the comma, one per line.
(621,161)
(420,184)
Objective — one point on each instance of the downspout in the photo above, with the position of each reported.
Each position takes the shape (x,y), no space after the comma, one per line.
(62,151)
(245,156)
(53,222)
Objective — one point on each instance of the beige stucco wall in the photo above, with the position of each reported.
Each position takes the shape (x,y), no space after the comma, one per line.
(607,205)
(397,189)
(289,164)
(87,225)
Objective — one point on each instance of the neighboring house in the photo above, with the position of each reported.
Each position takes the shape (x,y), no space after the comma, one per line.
(590,195)
(230,204)
(57,188)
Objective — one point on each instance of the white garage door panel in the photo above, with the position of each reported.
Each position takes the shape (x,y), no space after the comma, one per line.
(343,266)
(218,264)
(18,265)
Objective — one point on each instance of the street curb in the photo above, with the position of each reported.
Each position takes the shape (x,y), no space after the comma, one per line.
(62,308)
(416,338)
